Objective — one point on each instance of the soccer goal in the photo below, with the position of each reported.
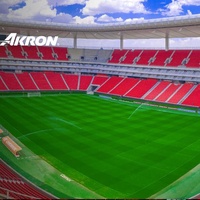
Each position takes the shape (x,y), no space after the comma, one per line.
(92,88)
(33,94)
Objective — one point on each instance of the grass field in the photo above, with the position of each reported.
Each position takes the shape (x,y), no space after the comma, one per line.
(116,149)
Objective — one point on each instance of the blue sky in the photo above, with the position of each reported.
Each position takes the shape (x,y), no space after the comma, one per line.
(95,11)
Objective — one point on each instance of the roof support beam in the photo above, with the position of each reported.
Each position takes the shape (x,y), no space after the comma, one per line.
(121,41)
(167,41)
(75,41)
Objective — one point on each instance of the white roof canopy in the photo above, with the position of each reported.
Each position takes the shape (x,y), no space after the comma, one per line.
(173,27)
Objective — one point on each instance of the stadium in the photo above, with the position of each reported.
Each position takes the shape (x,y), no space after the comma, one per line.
(100,123)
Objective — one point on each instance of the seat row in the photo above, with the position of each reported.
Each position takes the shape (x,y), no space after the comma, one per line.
(170,58)
(34,52)
(147,89)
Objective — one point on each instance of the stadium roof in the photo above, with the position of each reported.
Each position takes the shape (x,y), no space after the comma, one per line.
(173,27)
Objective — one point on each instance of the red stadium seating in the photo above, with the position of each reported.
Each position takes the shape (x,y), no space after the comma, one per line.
(131,56)
(6,172)
(161,57)
(47,53)
(26,81)
(145,57)
(3,52)
(56,81)
(194,59)
(148,89)
(166,94)
(124,86)
(139,57)
(16,51)
(17,187)
(181,93)
(157,90)
(31,52)
(3,87)
(99,80)
(61,53)
(40,80)
(85,81)
(194,98)
(71,80)
(110,84)
(141,88)
(10,80)
(117,55)
(178,57)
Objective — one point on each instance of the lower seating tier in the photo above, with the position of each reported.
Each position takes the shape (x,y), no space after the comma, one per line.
(147,89)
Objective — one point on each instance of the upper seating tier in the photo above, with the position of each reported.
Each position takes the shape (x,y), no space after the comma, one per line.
(194,59)
(169,58)
(16,51)
(146,56)
(178,57)
(117,56)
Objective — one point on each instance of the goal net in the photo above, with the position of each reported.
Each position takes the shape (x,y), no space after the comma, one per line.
(33,94)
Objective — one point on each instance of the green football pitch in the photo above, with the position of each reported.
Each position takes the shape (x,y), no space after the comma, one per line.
(116,149)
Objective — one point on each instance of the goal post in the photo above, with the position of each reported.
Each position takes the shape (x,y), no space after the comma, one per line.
(92,88)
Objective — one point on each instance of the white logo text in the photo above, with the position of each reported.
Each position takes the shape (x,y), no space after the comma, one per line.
(14,40)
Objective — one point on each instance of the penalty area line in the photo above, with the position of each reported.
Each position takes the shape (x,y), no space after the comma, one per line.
(35,132)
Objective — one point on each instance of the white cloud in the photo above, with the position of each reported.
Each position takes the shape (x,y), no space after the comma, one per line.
(34,10)
(172,9)
(63,18)
(65,2)
(94,7)
(38,10)
(176,7)
(129,20)
(106,18)
(5,4)
(185,43)
(85,20)
(189,12)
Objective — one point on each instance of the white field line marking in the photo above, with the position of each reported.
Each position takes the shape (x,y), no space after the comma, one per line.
(134,111)
(45,130)
(67,122)
(35,132)
(66,177)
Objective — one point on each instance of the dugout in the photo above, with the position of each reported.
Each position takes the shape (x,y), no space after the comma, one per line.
(11,145)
